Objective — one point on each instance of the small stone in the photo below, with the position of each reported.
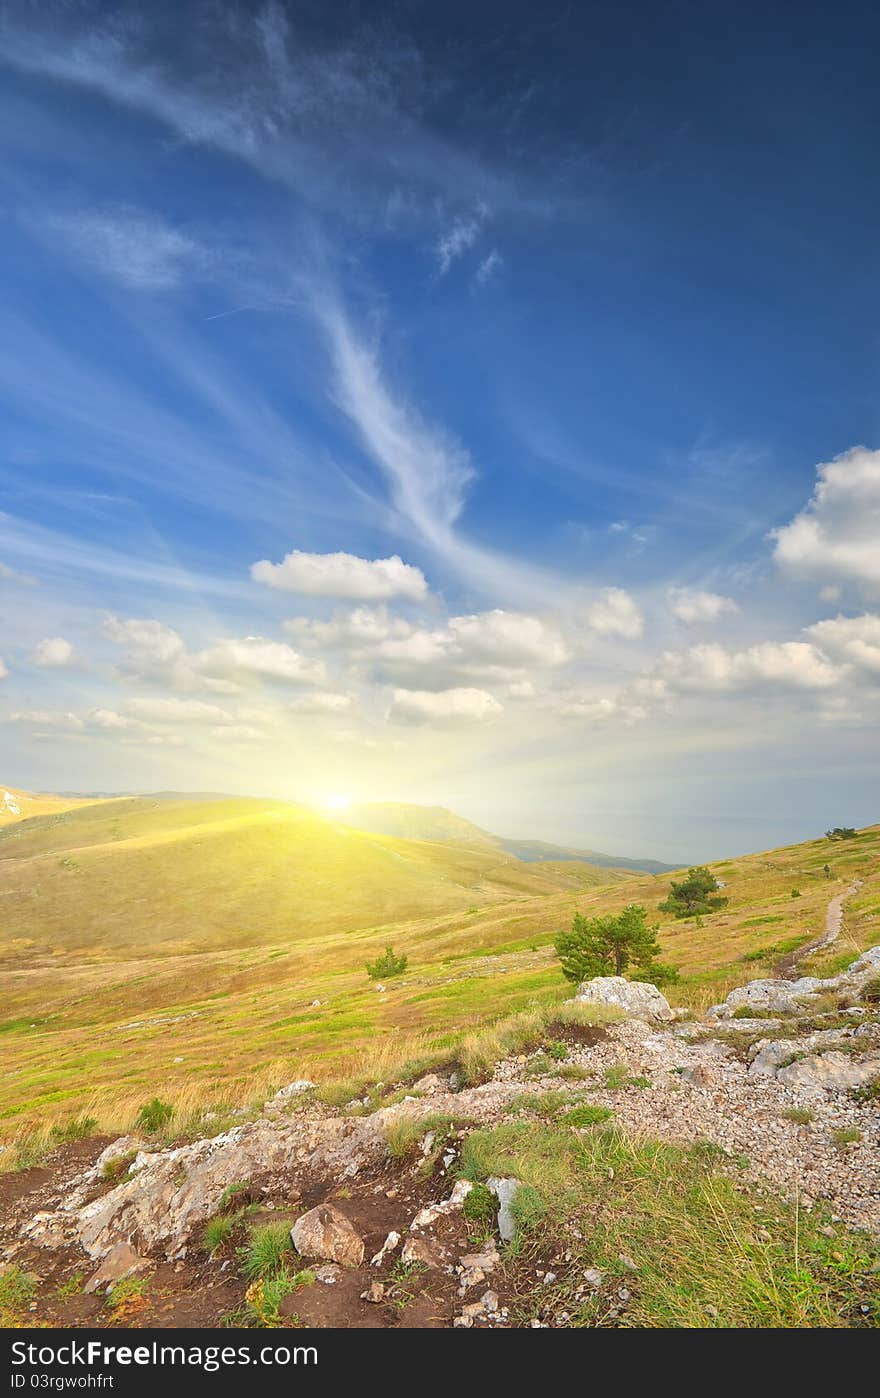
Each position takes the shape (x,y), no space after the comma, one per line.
(374,1293)
(462,1322)
(504,1191)
(594,1276)
(426,1251)
(389,1245)
(489,1300)
(627,1262)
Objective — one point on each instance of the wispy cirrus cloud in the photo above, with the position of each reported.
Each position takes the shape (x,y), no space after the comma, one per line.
(251,85)
(458,239)
(128,245)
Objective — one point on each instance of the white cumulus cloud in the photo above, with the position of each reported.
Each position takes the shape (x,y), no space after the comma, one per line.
(53,653)
(147,642)
(42,718)
(836,537)
(767,667)
(852,640)
(444,709)
(342,575)
(616,614)
(175,710)
(255,655)
(691,606)
(322,702)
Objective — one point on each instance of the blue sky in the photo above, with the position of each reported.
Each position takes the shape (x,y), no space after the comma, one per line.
(458,404)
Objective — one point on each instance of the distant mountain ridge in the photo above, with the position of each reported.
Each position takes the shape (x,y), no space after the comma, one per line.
(408,821)
(413,822)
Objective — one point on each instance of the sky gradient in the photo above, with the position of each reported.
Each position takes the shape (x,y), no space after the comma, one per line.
(473,405)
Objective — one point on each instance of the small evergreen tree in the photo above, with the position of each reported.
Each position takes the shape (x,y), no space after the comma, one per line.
(386,966)
(607,945)
(841,832)
(694,896)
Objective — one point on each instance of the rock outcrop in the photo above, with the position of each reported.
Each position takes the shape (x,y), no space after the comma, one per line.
(791,997)
(636,998)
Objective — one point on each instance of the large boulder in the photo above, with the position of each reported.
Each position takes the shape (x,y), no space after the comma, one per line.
(636,998)
(324,1233)
(830,1072)
(779,997)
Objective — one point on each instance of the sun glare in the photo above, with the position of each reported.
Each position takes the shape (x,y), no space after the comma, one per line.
(335,801)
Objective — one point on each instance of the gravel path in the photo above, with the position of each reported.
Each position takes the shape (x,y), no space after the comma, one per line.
(833,924)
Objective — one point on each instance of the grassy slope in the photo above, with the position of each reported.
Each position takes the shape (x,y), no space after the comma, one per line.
(148,876)
(31,804)
(179,947)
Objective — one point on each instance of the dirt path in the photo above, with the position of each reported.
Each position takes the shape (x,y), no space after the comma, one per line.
(833,924)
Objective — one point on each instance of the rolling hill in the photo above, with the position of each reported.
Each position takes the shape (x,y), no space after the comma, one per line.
(437,823)
(205,950)
(147,873)
(18,805)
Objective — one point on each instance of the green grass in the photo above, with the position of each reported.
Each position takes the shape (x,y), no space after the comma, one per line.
(189,943)
(153,1115)
(692,1233)
(543,1104)
(404,1134)
(846,1136)
(801,1116)
(267,1246)
(217,1232)
(586,1115)
(78,1129)
(480,1205)
(17,1290)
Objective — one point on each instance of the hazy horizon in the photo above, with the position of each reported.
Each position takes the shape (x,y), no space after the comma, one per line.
(478,418)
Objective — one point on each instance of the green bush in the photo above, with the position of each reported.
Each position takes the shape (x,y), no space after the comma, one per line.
(386,966)
(694,896)
(871,991)
(608,945)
